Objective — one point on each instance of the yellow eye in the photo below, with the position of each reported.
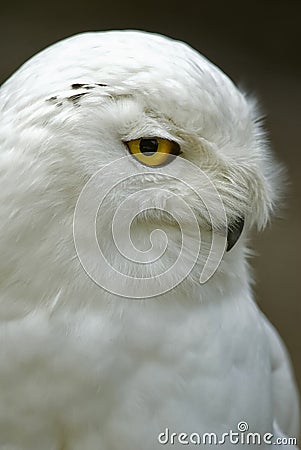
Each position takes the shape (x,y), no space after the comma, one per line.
(154,152)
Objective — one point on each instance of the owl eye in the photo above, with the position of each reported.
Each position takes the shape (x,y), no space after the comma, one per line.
(154,152)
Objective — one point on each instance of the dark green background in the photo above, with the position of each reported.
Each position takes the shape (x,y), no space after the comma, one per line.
(258,45)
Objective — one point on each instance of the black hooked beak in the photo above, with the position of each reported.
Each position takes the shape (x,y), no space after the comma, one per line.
(234,232)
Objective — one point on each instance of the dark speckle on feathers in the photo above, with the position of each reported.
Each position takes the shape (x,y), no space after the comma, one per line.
(52,99)
(75,98)
(77,86)
(86,86)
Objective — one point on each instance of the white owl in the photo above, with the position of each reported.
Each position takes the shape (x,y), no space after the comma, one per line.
(135,351)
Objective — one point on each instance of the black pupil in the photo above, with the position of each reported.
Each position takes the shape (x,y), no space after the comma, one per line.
(148,146)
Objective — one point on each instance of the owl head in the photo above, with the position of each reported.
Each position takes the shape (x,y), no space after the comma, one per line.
(150,134)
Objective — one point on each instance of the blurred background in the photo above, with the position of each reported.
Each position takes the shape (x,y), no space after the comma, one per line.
(258,45)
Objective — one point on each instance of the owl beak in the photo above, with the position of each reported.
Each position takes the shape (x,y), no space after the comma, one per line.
(234,232)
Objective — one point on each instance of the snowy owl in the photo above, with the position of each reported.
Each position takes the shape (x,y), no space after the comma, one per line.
(131,172)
